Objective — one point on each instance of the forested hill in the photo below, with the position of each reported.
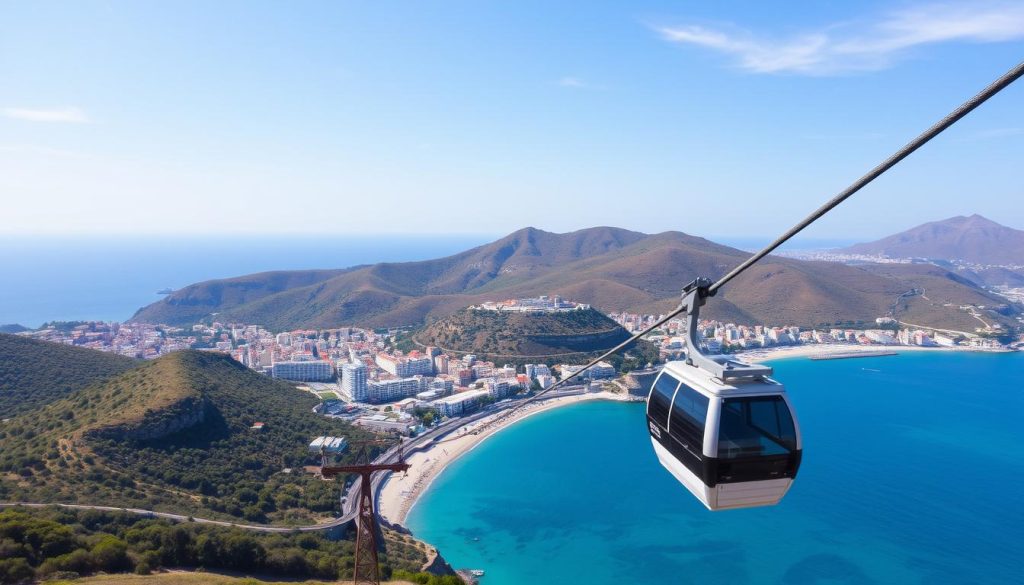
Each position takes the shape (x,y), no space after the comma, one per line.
(174,435)
(504,336)
(609,268)
(35,373)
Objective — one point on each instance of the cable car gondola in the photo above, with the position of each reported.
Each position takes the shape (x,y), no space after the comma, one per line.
(721,427)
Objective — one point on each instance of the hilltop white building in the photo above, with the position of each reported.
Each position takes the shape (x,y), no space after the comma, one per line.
(541,304)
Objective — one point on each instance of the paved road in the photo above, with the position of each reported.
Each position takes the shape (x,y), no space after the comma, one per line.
(183,518)
(349,498)
(950,331)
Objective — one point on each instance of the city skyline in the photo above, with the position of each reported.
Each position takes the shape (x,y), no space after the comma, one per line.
(468,118)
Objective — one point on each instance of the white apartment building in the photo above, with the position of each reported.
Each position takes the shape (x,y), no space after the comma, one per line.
(459,404)
(353,381)
(599,370)
(403,367)
(535,370)
(303,371)
(396,389)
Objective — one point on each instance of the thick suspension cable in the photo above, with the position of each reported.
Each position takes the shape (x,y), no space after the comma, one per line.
(953,117)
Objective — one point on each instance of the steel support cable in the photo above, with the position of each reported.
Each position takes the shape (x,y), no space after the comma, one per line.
(953,117)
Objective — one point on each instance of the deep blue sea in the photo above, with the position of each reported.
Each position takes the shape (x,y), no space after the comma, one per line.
(913,473)
(45,279)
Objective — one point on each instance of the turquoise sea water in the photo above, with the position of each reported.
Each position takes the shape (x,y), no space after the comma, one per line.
(913,473)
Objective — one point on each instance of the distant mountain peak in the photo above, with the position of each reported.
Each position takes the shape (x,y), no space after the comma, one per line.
(973,238)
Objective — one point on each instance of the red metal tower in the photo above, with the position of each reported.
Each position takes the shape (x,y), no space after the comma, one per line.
(367,569)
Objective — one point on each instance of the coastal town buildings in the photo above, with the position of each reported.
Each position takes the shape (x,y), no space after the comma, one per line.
(722,337)
(360,375)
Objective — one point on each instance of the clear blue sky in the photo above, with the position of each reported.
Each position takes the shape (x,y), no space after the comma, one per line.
(715,118)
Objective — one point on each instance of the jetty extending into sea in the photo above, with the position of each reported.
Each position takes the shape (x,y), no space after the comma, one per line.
(854,354)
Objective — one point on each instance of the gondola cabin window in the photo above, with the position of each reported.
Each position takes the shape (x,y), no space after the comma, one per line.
(689,413)
(661,399)
(755,427)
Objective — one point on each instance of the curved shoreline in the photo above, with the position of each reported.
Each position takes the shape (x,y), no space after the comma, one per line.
(822,349)
(400,493)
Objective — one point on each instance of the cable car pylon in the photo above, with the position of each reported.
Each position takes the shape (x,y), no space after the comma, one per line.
(367,565)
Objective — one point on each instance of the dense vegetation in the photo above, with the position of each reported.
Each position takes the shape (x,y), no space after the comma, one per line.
(174,434)
(511,337)
(35,373)
(54,542)
(636,357)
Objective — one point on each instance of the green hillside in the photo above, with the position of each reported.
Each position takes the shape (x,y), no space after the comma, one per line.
(502,335)
(55,543)
(35,373)
(174,435)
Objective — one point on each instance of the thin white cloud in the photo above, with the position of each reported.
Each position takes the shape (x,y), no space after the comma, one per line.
(999,133)
(864,46)
(69,115)
(845,137)
(40,151)
(577,83)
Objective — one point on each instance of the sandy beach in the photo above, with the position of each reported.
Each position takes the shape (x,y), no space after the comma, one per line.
(810,350)
(401,492)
